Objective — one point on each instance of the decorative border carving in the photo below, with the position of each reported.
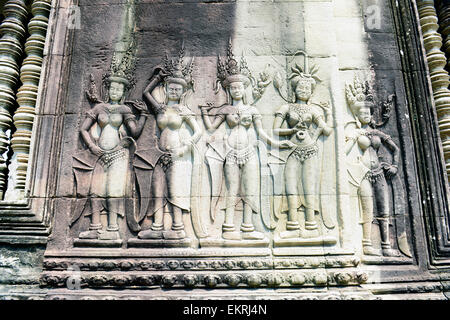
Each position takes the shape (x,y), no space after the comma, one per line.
(259,279)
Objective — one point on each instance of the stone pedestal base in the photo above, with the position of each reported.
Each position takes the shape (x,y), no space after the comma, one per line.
(95,243)
(294,242)
(159,243)
(223,243)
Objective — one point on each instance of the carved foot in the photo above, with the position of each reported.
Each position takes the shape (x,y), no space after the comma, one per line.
(231,235)
(90,234)
(389,252)
(174,234)
(254,235)
(290,234)
(370,251)
(150,234)
(109,235)
(146,224)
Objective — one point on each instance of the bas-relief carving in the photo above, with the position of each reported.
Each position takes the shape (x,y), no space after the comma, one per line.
(234,159)
(303,122)
(174,178)
(165,173)
(368,173)
(102,171)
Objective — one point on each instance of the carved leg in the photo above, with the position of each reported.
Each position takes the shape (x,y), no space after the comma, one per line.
(366,197)
(381,194)
(250,179)
(290,176)
(98,194)
(95,226)
(115,206)
(247,228)
(309,172)
(231,171)
(177,231)
(157,226)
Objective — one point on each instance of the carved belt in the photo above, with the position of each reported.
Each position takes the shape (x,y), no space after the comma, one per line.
(240,157)
(109,158)
(304,153)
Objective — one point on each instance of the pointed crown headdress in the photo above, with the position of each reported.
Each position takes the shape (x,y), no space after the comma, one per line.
(123,66)
(358,92)
(229,70)
(178,71)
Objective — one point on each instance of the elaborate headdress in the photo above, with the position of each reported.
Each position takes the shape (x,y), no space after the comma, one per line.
(229,70)
(298,74)
(123,66)
(124,60)
(360,93)
(305,73)
(178,72)
(357,93)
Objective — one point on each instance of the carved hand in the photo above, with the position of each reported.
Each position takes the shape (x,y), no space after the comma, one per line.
(180,151)
(140,106)
(205,109)
(391,171)
(325,106)
(162,73)
(124,143)
(96,150)
(287,144)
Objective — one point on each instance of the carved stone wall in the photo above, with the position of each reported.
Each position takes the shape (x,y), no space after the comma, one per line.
(231,146)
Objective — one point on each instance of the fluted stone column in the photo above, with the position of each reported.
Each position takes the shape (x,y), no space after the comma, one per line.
(439,76)
(443,9)
(12,32)
(26,98)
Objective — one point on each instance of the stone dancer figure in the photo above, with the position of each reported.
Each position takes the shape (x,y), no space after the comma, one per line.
(365,170)
(302,169)
(238,149)
(171,183)
(104,169)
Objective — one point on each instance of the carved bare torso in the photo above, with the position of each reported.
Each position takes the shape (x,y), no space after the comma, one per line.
(369,143)
(169,123)
(240,133)
(110,118)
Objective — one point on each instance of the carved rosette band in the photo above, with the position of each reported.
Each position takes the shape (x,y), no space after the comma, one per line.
(12,31)
(26,97)
(210,280)
(439,76)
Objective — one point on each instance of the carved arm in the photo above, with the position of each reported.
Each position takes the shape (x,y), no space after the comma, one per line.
(86,136)
(211,126)
(151,101)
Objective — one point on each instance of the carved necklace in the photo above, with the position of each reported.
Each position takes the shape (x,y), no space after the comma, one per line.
(299,108)
(112,108)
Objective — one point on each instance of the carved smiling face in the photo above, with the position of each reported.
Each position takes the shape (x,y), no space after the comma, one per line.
(174,91)
(363,113)
(303,90)
(237,90)
(116,91)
